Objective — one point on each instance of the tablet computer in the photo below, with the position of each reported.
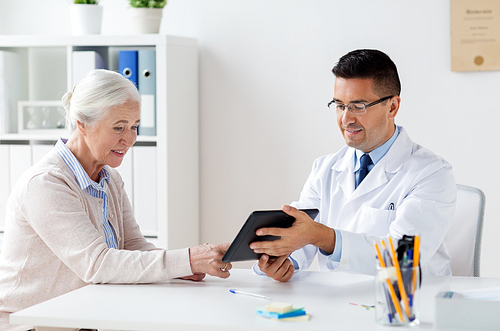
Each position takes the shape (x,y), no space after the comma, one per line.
(240,247)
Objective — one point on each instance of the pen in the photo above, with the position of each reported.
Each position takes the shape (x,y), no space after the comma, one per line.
(249,294)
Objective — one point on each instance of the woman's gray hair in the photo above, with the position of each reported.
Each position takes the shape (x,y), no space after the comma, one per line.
(94,95)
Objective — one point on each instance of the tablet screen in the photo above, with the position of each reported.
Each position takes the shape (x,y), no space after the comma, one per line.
(240,247)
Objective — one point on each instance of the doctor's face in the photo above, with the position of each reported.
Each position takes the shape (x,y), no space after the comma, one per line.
(370,130)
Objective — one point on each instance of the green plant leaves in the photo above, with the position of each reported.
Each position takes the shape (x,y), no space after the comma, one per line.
(148,3)
(86,2)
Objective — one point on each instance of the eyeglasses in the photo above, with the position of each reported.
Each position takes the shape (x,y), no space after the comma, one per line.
(355,108)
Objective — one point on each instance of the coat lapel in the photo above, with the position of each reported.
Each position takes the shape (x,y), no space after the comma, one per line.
(391,163)
(344,169)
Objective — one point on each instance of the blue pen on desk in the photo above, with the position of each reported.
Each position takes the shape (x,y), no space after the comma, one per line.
(250,294)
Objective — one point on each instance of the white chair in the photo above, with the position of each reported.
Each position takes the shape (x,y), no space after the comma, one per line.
(466,229)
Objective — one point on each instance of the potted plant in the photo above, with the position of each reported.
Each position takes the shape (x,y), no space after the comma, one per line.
(86,17)
(146,15)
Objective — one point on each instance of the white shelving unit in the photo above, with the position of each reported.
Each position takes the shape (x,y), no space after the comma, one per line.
(45,65)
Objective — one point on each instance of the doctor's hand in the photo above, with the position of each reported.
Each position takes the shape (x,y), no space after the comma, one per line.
(278,268)
(207,259)
(304,231)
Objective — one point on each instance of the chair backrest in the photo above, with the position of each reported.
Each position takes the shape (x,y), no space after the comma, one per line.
(466,230)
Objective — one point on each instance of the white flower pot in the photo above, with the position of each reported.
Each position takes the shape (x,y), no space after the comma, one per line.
(85,19)
(146,20)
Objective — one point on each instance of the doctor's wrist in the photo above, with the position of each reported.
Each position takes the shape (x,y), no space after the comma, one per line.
(325,238)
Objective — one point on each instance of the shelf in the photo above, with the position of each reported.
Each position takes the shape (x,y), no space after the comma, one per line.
(5,138)
(171,180)
(7,41)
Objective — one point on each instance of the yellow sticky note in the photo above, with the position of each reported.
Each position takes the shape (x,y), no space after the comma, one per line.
(279,307)
(301,318)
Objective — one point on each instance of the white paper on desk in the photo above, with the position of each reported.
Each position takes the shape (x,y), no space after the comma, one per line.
(491,294)
(469,309)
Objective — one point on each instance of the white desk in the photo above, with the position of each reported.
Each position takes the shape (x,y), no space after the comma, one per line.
(208,305)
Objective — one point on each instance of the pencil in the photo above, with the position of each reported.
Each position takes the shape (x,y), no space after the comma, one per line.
(401,285)
(416,257)
(389,285)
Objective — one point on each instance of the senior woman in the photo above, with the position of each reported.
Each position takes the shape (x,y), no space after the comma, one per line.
(69,222)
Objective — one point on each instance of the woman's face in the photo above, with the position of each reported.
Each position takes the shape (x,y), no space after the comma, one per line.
(110,139)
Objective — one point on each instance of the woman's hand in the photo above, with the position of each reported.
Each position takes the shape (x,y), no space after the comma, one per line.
(207,259)
(195,277)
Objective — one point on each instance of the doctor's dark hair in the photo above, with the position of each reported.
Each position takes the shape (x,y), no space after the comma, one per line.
(370,64)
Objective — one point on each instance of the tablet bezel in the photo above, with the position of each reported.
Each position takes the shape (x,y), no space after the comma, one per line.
(240,247)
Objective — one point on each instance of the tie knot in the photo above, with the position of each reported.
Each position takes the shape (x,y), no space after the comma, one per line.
(365,161)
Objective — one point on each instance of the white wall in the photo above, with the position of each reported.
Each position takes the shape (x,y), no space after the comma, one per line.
(265,80)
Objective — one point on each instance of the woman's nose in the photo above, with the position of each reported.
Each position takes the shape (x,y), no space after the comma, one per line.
(129,137)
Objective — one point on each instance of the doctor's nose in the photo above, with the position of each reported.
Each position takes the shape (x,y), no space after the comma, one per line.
(347,117)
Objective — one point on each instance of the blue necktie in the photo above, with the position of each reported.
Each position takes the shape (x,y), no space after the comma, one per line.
(364,162)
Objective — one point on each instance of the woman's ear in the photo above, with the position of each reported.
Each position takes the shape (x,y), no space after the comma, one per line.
(81,127)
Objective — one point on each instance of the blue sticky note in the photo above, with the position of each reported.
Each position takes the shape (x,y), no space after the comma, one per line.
(296,312)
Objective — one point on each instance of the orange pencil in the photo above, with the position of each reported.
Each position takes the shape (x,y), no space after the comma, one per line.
(416,257)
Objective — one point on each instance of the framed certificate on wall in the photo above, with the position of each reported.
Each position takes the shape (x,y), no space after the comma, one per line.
(475,35)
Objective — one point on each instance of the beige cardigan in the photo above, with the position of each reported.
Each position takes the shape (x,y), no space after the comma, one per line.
(54,240)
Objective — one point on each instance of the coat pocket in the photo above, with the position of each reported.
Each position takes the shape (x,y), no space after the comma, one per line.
(375,221)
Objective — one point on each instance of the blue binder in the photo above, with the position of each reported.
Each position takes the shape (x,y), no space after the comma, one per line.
(147,88)
(127,65)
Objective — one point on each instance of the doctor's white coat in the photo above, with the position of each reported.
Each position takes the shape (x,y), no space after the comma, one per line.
(409,191)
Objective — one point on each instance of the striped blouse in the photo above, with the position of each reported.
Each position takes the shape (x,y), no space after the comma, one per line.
(97,190)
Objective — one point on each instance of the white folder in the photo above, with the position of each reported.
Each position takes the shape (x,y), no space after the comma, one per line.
(20,161)
(147,88)
(126,171)
(144,161)
(85,61)
(39,151)
(13,87)
(5,185)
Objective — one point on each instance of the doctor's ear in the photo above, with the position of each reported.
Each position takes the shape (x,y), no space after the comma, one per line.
(395,102)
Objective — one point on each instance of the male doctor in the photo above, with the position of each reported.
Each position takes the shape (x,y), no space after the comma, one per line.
(380,185)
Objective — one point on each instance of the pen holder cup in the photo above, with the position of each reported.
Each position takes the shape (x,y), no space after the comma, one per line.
(394,307)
